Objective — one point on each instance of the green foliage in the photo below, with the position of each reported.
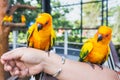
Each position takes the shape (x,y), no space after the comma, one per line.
(22,37)
(92,13)
(58,14)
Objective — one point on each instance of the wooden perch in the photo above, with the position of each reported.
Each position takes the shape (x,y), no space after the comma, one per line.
(11,24)
(18,5)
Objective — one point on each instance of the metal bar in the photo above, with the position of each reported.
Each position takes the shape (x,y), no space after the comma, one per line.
(46,6)
(86,28)
(14,39)
(66,5)
(107,12)
(70,43)
(65,43)
(102,13)
(76,4)
(91,2)
(111,61)
(114,54)
(81,24)
(67,48)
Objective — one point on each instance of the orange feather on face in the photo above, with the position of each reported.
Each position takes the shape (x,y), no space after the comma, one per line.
(96,49)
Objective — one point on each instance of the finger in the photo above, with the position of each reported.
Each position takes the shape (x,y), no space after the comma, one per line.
(2,61)
(24,73)
(15,71)
(7,67)
(20,64)
(12,63)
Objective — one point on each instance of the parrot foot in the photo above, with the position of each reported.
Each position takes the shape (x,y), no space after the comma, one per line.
(48,53)
(100,66)
(92,65)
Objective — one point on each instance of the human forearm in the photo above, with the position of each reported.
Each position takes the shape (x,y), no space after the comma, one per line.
(31,61)
(69,68)
(73,70)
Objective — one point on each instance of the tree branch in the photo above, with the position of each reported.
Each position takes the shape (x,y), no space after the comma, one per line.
(11,24)
(18,5)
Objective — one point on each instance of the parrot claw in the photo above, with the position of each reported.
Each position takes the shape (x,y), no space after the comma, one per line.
(100,66)
(48,53)
(92,65)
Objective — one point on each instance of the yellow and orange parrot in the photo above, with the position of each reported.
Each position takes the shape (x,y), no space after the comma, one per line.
(96,50)
(41,34)
(8,18)
(5,19)
(23,19)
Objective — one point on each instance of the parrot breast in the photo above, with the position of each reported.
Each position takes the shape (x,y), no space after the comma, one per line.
(98,54)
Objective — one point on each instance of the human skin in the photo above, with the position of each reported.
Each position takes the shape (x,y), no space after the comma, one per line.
(28,61)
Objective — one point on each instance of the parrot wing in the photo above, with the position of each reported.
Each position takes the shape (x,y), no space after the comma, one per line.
(86,49)
(30,32)
(53,37)
(5,19)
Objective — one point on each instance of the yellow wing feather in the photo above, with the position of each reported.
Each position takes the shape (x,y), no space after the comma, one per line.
(85,50)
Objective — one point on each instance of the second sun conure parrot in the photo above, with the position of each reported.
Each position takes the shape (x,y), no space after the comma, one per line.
(96,50)
(41,34)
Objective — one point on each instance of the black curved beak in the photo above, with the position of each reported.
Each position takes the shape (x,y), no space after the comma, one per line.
(99,38)
(39,27)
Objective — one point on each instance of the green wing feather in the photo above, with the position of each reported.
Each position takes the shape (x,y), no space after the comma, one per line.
(53,37)
(85,50)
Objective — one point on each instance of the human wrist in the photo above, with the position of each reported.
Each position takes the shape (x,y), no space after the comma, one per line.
(53,65)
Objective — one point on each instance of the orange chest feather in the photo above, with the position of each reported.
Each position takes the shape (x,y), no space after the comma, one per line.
(41,40)
(98,54)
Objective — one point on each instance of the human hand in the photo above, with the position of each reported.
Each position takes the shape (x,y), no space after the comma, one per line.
(23,61)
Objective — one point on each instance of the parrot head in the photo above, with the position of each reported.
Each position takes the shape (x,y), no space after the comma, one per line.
(43,20)
(104,34)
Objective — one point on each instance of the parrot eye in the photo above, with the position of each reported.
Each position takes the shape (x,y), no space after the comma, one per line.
(46,23)
(106,35)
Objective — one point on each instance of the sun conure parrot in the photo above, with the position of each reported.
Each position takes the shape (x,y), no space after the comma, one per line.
(8,18)
(96,50)
(41,34)
(23,19)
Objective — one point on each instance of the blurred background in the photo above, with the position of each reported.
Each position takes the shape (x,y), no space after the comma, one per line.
(74,22)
